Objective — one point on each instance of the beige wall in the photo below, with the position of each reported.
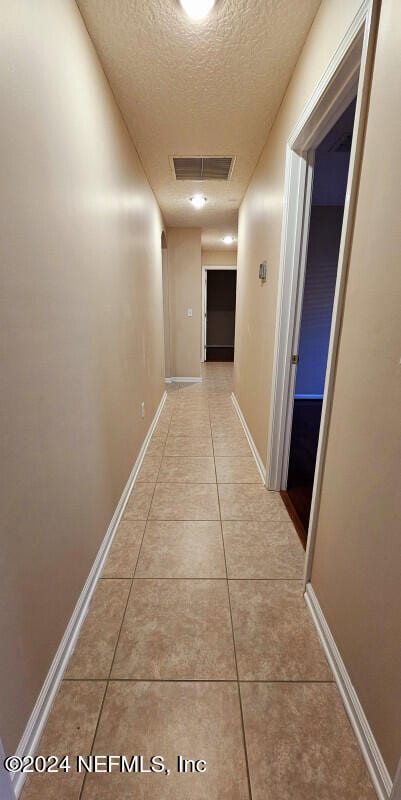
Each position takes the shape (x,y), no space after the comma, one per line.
(357,563)
(184,267)
(260,219)
(81,330)
(219,258)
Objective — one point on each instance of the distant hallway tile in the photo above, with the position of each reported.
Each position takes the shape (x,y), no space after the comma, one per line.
(188,446)
(185,502)
(187,469)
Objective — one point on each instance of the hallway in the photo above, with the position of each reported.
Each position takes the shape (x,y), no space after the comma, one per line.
(198,641)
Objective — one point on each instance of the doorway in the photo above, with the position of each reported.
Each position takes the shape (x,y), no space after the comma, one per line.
(347,76)
(330,176)
(219,287)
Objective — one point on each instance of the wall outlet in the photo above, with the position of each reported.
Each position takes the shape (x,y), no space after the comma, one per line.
(142,410)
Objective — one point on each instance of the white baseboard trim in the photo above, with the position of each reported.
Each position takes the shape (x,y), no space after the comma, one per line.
(183,380)
(259,463)
(33,731)
(370,751)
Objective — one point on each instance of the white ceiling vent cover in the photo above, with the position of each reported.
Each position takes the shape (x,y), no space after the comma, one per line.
(202,168)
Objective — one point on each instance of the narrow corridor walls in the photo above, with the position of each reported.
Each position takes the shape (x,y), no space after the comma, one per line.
(81,330)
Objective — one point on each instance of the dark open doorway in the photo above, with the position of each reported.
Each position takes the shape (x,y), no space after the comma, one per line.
(328,198)
(221,287)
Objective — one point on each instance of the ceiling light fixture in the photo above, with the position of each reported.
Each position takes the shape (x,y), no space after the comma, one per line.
(198,200)
(228,239)
(197,9)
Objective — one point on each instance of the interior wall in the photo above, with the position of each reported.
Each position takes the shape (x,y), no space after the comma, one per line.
(219,258)
(184,260)
(357,563)
(357,560)
(260,222)
(81,330)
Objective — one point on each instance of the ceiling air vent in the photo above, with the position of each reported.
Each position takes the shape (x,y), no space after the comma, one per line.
(202,168)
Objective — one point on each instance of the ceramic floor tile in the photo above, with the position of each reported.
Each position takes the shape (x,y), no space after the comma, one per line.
(221,414)
(156,446)
(275,638)
(185,501)
(237,469)
(227,427)
(187,469)
(248,502)
(226,445)
(139,501)
(195,415)
(182,550)
(190,446)
(149,469)
(176,629)
(95,647)
(123,553)
(196,720)
(161,429)
(173,688)
(263,550)
(300,744)
(69,730)
(189,429)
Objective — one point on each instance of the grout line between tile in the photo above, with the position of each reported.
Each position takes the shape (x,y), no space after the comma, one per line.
(235,652)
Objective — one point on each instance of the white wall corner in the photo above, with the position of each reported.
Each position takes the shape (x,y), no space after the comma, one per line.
(255,452)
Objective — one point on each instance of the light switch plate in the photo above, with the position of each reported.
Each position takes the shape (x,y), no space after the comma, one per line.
(189,312)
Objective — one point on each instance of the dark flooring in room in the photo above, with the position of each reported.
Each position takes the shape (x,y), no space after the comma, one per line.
(304,442)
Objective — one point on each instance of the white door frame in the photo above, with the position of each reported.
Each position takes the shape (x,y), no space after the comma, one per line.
(348,73)
(204,307)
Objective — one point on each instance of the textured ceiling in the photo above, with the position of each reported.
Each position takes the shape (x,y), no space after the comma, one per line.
(199,88)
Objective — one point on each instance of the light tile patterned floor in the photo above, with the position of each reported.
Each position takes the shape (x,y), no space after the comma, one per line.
(198,641)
